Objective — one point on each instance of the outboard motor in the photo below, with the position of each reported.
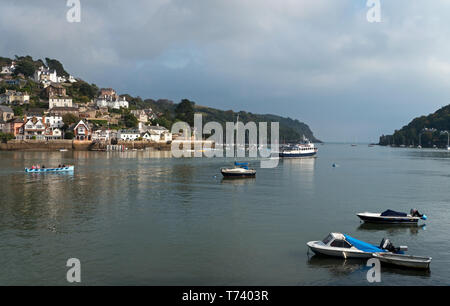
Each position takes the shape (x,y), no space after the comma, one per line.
(387,245)
(415,213)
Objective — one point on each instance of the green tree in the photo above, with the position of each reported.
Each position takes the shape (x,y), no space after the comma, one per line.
(18,110)
(69,119)
(5,137)
(129,119)
(54,64)
(68,135)
(25,67)
(184,111)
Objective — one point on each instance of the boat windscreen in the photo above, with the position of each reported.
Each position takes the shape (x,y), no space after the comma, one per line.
(363,246)
(327,239)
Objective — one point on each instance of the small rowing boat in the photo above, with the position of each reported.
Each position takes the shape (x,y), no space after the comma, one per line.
(43,170)
(409,261)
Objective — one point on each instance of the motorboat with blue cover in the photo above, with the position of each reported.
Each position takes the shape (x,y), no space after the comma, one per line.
(240,170)
(393,217)
(341,245)
(45,170)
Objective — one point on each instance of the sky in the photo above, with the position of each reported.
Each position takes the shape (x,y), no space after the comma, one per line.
(319,61)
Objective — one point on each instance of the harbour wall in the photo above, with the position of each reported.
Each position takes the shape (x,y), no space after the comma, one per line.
(75,145)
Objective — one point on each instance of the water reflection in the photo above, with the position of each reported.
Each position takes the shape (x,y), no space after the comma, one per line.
(392,229)
(235,181)
(344,267)
(336,266)
(302,169)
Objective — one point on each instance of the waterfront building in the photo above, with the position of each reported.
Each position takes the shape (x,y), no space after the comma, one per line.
(82,131)
(33,128)
(128,135)
(164,135)
(104,135)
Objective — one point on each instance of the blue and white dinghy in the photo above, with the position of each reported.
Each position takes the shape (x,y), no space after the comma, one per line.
(341,245)
(45,170)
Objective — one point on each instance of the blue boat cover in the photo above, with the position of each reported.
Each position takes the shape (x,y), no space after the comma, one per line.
(242,165)
(363,246)
(391,213)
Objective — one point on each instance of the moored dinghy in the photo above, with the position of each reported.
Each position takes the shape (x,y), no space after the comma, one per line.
(408,261)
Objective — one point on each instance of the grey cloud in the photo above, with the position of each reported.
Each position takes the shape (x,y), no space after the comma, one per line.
(319,61)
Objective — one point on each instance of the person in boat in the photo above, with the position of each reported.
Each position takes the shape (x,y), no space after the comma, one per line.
(43,167)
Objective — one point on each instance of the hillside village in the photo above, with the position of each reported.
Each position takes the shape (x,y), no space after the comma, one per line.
(38,102)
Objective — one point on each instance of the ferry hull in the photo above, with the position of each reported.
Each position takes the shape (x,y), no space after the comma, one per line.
(297,155)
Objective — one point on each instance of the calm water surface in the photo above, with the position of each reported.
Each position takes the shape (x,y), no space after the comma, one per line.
(138,218)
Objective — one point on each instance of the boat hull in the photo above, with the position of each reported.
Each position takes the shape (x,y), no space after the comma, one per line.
(336,252)
(297,155)
(47,170)
(388,220)
(238,175)
(408,261)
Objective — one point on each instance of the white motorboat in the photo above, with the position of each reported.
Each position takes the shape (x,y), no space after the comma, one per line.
(415,262)
(393,217)
(341,245)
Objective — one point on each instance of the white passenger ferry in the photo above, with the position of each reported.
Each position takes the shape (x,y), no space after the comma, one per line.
(303,149)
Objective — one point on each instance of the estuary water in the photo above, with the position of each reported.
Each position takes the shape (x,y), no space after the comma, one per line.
(143,218)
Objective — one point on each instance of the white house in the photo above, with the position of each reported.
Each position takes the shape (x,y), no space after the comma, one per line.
(59,102)
(128,135)
(150,136)
(115,104)
(50,121)
(45,76)
(54,121)
(103,135)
